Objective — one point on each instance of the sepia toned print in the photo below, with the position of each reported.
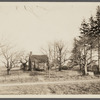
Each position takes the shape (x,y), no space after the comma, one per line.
(49,48)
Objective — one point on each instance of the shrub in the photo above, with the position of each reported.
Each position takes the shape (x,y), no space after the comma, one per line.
(64,68)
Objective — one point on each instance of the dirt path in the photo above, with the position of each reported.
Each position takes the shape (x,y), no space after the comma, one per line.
(56,82)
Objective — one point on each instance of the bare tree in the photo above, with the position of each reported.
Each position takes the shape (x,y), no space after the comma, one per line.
(10,57)
(24,60)
(57,53)
(49,52)
(61,51)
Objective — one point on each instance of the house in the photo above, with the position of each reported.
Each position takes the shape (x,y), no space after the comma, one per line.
(38,62)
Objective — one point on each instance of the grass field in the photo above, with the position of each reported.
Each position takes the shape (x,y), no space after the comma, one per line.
(18,76)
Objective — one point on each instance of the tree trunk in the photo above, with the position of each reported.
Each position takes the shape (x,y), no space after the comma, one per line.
(59,68)
(8,71)
(85,62)
(85,68)
(34,66)
(80,65)
(91,53)
(30,65)
(85,65)
(80,61)
(8,67)
(98,55)
(60,65)
(24,66)
(48,66)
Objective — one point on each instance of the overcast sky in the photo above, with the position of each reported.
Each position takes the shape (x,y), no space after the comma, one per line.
(32,25)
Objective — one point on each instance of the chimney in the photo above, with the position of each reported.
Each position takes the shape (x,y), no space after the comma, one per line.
(30,53)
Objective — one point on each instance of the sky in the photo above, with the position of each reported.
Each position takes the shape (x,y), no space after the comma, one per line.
(32,25)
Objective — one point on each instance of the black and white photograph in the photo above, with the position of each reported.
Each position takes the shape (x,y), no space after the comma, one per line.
(49,48)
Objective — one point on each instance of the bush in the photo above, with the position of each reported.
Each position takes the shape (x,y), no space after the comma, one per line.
(64,68)
(94,69)
(37,69)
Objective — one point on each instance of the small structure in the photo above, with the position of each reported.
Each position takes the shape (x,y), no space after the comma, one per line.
(38,62)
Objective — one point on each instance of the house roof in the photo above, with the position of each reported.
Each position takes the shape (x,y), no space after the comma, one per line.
(39,58)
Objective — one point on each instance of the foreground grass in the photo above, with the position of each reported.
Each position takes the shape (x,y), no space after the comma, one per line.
(52,89)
